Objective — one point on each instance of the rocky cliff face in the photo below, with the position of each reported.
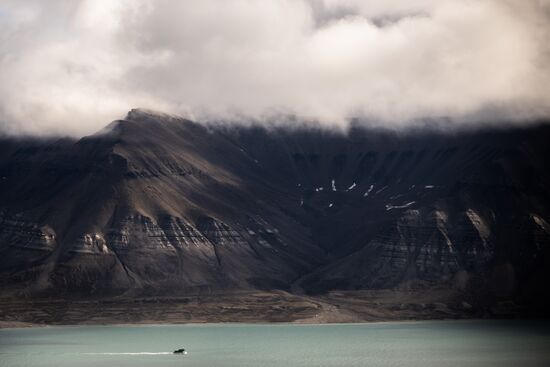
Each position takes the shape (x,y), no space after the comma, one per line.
(158,205)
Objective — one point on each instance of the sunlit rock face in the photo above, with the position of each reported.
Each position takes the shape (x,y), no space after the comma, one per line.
(158,205)
(24,245)
(24,234)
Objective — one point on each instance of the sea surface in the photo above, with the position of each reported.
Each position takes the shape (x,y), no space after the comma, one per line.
(423,344)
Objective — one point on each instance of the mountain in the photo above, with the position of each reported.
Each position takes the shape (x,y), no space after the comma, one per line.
(155,205)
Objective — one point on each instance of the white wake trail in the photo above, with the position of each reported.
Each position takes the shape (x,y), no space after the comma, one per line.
(127,353)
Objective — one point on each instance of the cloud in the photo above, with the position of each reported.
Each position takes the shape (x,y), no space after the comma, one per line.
(68,67)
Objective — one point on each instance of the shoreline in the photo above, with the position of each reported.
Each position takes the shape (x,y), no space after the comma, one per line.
(278,307)
(260,323)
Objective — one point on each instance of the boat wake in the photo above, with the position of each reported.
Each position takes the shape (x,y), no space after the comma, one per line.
(128,353)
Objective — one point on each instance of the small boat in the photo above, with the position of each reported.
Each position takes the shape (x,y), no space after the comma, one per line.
(180,351)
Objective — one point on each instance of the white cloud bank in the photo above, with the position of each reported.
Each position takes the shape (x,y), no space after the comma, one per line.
(68,66)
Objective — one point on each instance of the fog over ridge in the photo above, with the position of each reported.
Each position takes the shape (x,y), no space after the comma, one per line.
(69,67)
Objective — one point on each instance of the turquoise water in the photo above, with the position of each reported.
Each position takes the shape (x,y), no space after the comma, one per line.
(443,343)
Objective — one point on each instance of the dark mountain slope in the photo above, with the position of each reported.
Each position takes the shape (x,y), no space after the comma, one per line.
(158,205)
(150,204)
(469,210)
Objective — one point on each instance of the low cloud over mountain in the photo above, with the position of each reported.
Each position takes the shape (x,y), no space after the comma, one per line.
(68,66)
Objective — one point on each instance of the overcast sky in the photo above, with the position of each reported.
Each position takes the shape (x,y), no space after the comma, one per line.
(71,66)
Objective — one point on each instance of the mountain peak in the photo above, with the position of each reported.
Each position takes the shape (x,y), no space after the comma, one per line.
(142,125)
(138,114)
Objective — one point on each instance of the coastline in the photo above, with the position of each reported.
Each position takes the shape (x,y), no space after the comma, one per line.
(17,326)
(248,308)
